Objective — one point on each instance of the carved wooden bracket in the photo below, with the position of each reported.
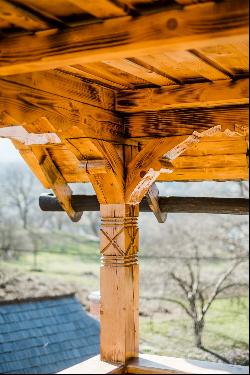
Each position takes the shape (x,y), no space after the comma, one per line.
(156,157)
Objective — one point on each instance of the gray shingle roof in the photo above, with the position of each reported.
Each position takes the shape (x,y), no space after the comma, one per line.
(46,336)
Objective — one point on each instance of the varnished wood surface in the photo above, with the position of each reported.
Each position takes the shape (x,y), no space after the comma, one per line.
(184,96)
(183,121)
(122,37)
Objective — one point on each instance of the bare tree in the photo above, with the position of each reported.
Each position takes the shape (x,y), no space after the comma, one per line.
(199,296)
(19,188)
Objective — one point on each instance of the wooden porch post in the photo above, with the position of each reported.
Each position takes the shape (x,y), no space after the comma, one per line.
(119,282)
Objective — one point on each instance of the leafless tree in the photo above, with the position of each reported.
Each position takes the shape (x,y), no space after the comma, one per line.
(19,189)
(199,296)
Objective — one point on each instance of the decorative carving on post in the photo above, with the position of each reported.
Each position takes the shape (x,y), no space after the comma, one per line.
(119,282)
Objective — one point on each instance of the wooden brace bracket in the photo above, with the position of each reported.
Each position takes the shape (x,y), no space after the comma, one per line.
(155,158)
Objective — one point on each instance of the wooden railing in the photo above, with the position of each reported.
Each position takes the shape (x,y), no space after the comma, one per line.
(153,364)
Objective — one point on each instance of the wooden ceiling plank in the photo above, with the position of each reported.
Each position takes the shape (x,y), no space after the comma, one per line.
(91,77)
(101,8)
(20,17)
(139,71)
(189,95)
(70,119)
(183,121)
(233,59)
(198,67)
(100,72)
(127,36)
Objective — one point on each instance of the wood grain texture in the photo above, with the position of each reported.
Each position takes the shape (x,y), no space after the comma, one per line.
(183,121)
(20,17)
(131,67)
(171,29)
(183,96)
(101,8)
(59,186)
(110,75)
(119,283)
(233,59)
(143,170)
(180,66)
(68,84)
(68,117)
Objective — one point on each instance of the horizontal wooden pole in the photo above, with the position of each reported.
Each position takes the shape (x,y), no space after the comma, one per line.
(233,206)
(181,96)
(171,29)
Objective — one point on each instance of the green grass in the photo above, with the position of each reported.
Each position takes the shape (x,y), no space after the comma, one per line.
(79,264)
(226,332)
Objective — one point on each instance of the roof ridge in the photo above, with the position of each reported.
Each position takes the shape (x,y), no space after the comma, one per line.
(36,299)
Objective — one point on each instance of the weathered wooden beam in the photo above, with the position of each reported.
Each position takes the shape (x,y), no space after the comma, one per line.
(126,36)
(233,206)
(183,121)
(223,92)
(69,118)
(68,83)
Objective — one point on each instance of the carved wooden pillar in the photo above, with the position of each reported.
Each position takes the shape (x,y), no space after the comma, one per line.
(119,282)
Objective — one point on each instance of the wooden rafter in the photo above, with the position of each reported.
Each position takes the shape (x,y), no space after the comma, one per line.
(183,121)
(171,29)
(184,96)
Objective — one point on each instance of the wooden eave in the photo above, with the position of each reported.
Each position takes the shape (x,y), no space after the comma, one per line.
(126,74)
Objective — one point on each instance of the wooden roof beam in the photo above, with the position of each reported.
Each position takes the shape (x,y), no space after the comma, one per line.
(30,107)
(126,36)
(223,92)
(176,122)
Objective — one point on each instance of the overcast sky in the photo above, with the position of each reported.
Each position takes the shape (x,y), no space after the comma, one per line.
(8,153)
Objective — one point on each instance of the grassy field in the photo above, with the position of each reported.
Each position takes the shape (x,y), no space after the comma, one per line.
(168,333)
(226,332)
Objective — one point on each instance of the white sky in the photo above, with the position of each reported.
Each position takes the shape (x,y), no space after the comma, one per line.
(8,153)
